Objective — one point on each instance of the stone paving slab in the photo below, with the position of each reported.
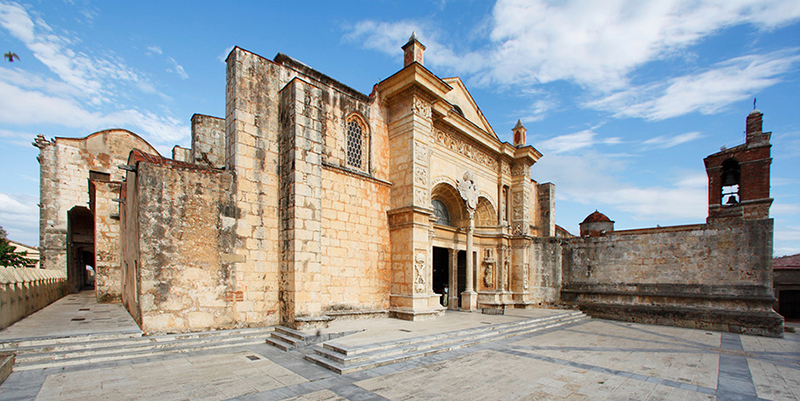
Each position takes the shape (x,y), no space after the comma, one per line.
(588,360)
(384,330)
(73,315)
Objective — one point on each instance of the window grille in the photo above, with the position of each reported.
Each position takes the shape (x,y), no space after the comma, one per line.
(355,143)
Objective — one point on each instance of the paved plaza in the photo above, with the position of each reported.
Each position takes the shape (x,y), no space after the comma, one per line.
(589,360)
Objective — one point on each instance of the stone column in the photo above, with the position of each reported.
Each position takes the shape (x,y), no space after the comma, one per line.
(453,285)
(469,193)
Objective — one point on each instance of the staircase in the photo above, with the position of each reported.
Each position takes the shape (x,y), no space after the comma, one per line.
(289,339)
(90,349)
(344,359)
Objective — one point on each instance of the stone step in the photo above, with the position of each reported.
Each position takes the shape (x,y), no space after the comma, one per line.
(499,328)
(113,349)
(283,345)
(123,355)
(344,360)
(418,344)
(13,344)
(289,339)
(92,342)
(90,351)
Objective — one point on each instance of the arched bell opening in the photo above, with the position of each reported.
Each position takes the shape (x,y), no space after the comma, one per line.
(731,178)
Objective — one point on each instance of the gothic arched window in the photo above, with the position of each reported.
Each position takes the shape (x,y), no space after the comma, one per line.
(356,137)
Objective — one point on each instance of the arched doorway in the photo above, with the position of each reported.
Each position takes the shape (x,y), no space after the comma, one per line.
(80,249)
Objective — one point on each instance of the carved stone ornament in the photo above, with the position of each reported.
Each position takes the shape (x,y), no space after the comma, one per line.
(520,169)
(421,196)
(421,176)
(422,108)
(525,276)
(419,272)
(457,144)
(420,153)
(489,262)
(468,190)
(505,168)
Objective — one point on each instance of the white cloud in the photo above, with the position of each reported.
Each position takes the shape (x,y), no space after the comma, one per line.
(388,37)
(153,50)
(177,69)
(95,78)
(222,57)
(599,45)
(85,90)
(20,106)
(784,209)
(575,141)
(668,141)
(591,179)
(707,92)
(19,215)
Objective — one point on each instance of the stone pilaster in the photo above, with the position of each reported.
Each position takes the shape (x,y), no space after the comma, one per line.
(252,155)
(410,128)
(301,200)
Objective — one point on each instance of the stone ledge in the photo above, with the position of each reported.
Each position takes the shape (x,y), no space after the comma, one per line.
(416,316)
(760,323)
(696,291)
(6,365)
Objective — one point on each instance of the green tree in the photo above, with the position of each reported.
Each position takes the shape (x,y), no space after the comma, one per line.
(10,258)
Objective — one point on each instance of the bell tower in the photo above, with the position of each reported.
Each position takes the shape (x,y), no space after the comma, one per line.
(738,178)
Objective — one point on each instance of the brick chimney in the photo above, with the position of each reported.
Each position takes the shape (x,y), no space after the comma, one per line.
(413,51)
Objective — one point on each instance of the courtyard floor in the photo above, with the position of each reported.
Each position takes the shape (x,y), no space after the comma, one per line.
(590,360)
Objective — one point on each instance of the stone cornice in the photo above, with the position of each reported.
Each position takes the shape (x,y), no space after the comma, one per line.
(416,76)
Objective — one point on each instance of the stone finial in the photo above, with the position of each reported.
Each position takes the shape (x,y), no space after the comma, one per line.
(520,132)
(40,142)
(414,51)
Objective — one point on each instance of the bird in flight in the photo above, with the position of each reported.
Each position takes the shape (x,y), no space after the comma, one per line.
(10,56)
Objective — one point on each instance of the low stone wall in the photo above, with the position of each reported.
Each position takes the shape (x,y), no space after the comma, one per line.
(711,276)
(24,291)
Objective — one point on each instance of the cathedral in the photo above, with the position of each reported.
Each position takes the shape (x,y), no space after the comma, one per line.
(310,201)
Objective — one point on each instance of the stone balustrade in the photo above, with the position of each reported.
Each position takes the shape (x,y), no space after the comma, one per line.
(24,291)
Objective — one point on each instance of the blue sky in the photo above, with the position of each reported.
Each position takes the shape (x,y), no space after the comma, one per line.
(623,98)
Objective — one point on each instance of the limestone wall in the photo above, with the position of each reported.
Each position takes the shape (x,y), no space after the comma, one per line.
(24,291)
(183,281)
(356,270)
(252,155)
(108,274)
(208,141)
(715,276)
(65,164)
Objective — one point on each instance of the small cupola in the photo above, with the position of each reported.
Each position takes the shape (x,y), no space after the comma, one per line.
(413,51)
(596,224)
(519,131)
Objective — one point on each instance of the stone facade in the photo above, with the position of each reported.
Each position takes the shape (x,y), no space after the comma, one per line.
(67,165)
(312,201)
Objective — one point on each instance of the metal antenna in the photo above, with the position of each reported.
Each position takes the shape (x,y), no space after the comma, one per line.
(754,103)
